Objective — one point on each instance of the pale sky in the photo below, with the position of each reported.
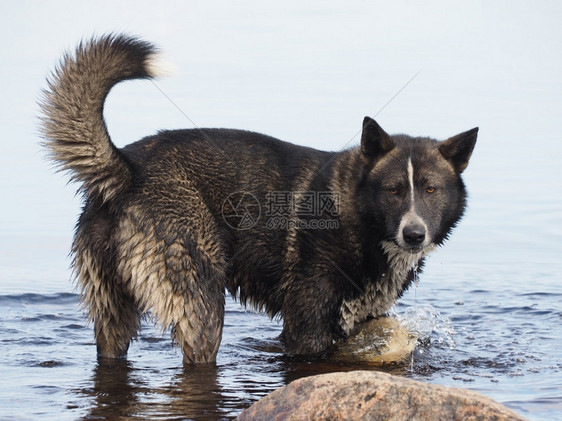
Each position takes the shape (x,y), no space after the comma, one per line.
(306,72)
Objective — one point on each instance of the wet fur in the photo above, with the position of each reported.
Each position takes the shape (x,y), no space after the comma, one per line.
(151,237)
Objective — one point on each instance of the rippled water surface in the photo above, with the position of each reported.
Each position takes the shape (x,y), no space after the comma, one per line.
(503,342)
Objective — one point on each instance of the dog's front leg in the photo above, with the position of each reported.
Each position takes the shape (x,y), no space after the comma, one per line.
(310,311)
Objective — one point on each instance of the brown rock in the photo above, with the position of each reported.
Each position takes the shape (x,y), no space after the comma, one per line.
(371,395)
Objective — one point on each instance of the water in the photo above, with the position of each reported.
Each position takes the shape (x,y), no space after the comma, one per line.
(504,344)
(487,308)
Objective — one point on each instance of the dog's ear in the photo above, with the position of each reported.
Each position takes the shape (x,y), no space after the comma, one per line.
(457,149)
(375,142)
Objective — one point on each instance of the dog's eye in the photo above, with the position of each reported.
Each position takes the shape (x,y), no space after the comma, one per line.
(393,191)
(430,190)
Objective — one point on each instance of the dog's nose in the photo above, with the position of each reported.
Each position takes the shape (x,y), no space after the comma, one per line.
(414,234)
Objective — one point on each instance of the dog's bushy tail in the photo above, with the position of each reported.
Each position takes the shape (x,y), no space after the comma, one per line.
(72,121)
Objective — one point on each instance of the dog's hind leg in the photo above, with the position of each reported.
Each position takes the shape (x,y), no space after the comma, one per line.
(180,280)
(196,304)
(198,329)
(114,331)
(112,310)
(190,298)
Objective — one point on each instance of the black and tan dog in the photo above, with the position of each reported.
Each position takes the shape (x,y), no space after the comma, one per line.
(325,240)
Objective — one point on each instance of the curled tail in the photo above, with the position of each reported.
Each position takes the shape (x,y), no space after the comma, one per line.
(72,121)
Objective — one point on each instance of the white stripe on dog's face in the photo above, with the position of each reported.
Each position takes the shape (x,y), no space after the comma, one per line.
(411,181)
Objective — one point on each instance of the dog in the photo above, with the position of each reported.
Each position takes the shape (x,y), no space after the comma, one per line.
(324,240)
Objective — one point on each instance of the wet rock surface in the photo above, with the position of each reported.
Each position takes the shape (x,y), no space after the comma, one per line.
(377,342)
(371,395)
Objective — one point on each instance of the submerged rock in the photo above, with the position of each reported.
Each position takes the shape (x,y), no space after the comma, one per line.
(373,395)
(378,341)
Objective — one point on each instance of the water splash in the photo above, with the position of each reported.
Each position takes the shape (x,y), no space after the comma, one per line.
(428,324)
(430,327)
(415,270)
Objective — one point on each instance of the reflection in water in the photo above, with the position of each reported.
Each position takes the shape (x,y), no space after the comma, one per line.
(114,392)
(196,394)
(119,392)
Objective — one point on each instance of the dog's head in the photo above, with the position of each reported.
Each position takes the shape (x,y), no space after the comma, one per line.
(411,188)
